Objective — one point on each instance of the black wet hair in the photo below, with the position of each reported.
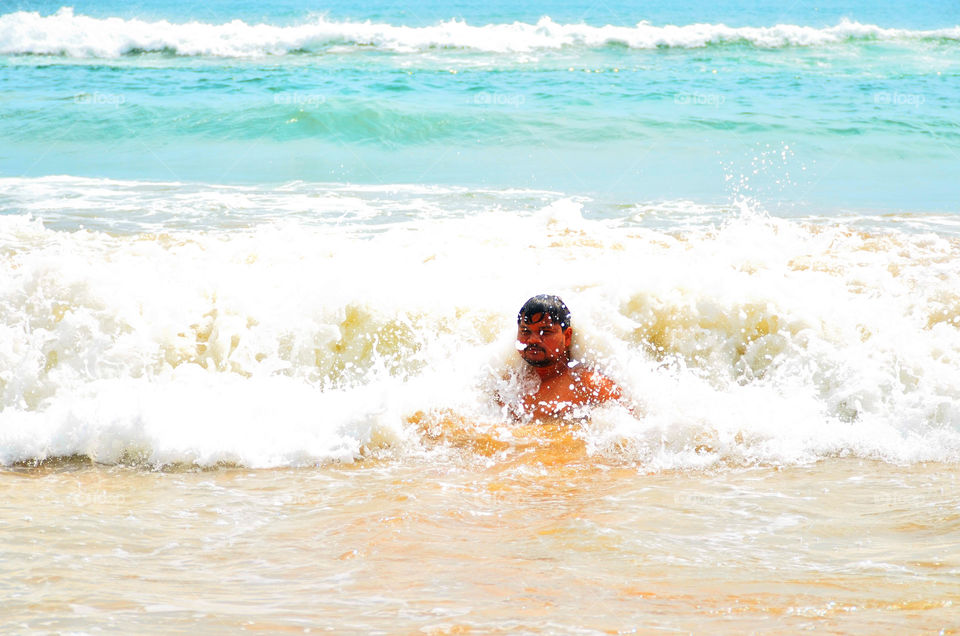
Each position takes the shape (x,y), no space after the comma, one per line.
(546,304)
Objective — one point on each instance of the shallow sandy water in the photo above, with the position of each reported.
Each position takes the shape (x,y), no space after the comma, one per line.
(459,544)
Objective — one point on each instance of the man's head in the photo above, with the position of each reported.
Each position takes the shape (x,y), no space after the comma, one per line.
(544,331)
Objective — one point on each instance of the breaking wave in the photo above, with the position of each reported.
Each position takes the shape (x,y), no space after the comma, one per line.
(65,33)
(296,340)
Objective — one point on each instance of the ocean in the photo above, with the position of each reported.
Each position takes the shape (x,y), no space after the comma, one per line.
(259,274)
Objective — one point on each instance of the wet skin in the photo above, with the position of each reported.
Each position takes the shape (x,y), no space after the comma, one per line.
(565,385)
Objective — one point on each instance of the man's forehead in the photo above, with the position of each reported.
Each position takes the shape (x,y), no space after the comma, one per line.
(537,318)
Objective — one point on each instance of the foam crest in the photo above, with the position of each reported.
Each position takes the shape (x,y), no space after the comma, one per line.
(758,340)
(66,33)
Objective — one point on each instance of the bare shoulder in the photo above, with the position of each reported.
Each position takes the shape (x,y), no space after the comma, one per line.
(600,387)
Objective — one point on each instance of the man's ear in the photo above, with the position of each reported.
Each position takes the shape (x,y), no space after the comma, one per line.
(567,336)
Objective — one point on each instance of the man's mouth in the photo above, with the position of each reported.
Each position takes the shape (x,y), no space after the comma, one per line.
(536,357)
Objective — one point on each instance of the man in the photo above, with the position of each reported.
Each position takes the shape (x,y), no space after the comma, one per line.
(566,388)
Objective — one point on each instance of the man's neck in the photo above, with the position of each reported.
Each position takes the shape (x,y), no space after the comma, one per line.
(554,370)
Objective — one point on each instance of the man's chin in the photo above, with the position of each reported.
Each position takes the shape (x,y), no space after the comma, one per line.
(545,362)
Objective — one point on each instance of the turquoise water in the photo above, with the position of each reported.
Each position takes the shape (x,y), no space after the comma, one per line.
(848,107)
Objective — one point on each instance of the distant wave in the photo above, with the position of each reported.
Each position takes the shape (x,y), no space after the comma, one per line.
(65,33)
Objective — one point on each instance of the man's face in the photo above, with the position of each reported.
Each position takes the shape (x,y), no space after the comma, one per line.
(544,342)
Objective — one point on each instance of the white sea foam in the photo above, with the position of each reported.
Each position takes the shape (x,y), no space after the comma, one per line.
(66,33)
(286,342)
